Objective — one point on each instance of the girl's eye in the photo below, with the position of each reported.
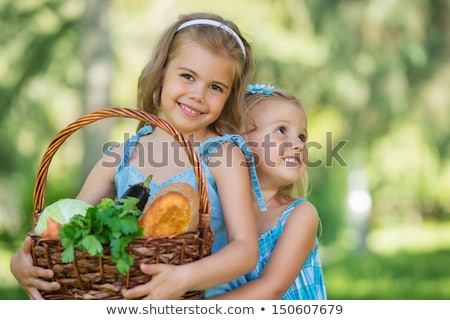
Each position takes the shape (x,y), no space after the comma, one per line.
(281,130)
(302,138)
(216,88)
(187,76)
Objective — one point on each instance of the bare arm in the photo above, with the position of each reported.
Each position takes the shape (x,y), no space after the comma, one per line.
(232,261)
(100,182)
(235,193)
(299,236)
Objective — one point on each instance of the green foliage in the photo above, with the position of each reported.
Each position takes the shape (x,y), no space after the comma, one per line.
(109,223)
(378,67)
(401,276)
(331,211)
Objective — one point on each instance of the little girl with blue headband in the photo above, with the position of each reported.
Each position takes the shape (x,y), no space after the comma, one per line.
(289,265)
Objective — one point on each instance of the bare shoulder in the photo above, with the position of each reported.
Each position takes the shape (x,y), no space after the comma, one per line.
(228,157)
(113,154)
(305,211)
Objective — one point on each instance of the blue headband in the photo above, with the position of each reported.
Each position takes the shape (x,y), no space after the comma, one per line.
(266,89)
(216,24)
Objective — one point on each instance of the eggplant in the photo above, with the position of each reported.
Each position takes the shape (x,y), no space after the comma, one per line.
(141,191)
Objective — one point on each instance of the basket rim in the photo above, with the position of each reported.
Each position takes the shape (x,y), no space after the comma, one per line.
(41,176)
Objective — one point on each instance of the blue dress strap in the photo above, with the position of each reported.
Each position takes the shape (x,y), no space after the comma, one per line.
(209,147)
(130,144)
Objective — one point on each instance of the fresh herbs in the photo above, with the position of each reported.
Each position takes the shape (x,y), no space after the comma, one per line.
(109,223)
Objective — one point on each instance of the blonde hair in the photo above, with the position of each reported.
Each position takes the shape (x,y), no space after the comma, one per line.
(252,100)
(212,38)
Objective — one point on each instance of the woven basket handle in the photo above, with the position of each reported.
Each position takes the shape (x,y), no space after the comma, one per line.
(41,178)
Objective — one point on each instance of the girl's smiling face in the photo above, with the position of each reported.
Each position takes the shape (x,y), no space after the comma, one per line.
(278,141)
(196,85)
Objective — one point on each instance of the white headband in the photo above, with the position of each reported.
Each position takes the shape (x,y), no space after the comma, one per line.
(215,24)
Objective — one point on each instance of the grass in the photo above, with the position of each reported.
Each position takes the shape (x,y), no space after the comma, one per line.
(399,264)
(403,276)
(409,263)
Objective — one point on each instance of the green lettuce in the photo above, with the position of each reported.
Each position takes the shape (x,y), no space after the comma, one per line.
(61,211)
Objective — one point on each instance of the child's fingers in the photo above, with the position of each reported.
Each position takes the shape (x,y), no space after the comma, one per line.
(151,269)
(137,292)
(26,248)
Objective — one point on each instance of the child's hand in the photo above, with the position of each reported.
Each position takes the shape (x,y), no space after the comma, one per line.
(166,283)
(29,276)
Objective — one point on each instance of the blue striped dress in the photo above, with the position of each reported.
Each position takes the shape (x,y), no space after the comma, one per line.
(309,284)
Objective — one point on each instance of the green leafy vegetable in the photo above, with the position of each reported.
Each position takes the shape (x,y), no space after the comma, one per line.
(61,211)
(109,223)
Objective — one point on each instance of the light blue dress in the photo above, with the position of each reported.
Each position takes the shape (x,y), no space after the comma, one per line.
(127,175)
(310,283)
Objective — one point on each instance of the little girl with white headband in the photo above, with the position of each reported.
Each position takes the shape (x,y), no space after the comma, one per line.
(195,80)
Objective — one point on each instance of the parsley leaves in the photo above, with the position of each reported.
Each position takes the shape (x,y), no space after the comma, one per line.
(109,223)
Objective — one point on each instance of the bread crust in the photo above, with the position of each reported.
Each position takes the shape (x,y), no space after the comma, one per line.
(173,210)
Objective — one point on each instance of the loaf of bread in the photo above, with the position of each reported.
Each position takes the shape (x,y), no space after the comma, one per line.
(173,210)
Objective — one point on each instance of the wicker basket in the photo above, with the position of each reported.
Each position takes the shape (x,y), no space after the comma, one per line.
(97,277)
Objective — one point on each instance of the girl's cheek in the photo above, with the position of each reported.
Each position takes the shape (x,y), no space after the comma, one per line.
(305,155)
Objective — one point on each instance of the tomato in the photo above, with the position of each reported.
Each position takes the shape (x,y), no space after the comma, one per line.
(52,229)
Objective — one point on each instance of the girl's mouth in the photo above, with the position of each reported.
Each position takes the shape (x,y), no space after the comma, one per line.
(189,111)
(291,162)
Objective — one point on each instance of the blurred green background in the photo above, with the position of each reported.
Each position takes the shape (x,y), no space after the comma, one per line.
(374,76)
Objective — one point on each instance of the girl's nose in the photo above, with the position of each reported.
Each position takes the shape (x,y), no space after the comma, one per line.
(300,147)
(297,144)
(197,93)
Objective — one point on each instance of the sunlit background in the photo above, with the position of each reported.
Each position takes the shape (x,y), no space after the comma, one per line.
(374,76)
